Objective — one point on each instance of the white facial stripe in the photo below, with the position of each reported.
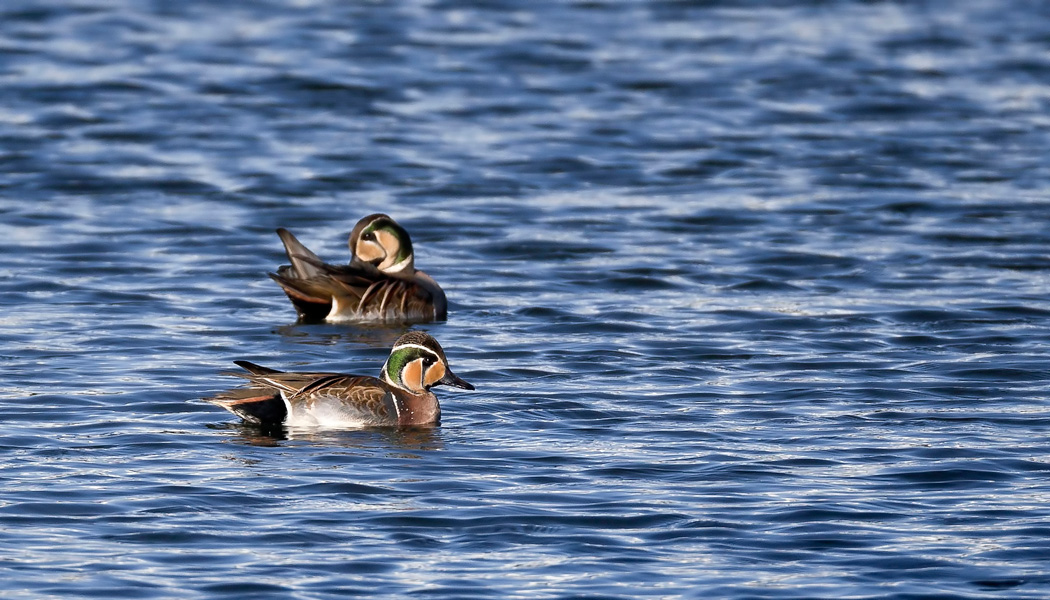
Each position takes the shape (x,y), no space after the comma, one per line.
(398,267)
(424,348)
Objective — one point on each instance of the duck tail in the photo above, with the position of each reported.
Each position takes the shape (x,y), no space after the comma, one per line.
(303,260)
(255,369)
(254,405)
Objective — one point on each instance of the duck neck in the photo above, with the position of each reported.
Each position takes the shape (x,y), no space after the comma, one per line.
(419,409)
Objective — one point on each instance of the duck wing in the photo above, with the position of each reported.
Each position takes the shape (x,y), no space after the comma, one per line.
(354,394)
(278,381)
(361,291)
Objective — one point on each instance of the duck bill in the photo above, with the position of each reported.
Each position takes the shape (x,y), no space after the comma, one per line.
(452,379)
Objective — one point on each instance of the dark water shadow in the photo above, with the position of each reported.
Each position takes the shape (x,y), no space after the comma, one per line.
(372,335)
(401,440)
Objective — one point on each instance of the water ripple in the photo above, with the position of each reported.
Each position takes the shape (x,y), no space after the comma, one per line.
(755,300)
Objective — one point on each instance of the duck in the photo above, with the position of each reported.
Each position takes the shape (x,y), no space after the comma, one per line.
(400,397)
(380,283)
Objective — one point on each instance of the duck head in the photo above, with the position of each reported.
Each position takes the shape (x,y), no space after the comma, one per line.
(417,363)
(380,241)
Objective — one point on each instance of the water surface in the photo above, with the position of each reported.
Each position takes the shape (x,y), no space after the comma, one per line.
(755,298)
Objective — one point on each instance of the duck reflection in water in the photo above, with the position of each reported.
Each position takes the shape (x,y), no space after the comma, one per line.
(405,443)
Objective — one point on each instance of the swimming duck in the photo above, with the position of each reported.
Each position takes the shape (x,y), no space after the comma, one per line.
(400,396)
(381,282)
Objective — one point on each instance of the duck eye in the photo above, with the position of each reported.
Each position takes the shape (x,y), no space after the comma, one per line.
(368,235)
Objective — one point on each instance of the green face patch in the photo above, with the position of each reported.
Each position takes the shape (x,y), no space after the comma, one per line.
(397,361)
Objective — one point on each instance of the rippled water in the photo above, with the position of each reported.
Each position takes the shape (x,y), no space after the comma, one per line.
(755,297)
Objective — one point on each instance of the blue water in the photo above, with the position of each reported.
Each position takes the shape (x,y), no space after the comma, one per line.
(755,296)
